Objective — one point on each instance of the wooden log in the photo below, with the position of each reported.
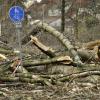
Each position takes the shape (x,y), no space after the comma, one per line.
(15,52)
(92,44)
(88,55)
(64,41)
(78,75)
(25,80)
(85,55)
(9,79)
(65,59)
(47,50)
(61,38)
(4,51)
(12,85)
(3,57)
(48,82)
(58,35)
(30,75)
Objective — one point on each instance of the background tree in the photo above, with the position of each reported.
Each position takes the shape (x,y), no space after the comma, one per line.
(63,16)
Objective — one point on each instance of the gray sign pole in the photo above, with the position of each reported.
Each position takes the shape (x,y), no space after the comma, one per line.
(18,31)
(16,14)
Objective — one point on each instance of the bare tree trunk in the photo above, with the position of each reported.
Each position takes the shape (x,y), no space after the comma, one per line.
(63,16)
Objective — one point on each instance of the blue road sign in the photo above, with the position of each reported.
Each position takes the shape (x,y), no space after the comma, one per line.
(16,14)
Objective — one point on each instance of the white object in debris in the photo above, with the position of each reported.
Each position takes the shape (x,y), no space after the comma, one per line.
(3,57)
(16,51)
(34,22)
(28,3)
(29,17)
(39,1)
(98,16)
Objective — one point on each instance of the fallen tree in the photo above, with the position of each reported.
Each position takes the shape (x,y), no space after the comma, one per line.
(61,38)
(78,75)
(47,79)
(85,55)
(65,59)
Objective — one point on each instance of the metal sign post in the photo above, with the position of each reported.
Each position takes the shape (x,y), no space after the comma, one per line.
(18,31)
(16,14)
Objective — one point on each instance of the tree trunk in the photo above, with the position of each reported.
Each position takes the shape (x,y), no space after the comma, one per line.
(61,38)
(65,59)
(63,16)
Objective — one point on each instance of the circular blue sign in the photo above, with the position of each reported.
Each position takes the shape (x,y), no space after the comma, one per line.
(16,14)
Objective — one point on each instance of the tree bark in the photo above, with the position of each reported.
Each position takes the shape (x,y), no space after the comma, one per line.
(47,50)
(61,38)
(65,59)
(79,75)
(88,55)
(25,80)
(63,16)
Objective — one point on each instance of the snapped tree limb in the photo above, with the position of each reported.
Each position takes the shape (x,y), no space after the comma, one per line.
(47,50)
(61,38)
